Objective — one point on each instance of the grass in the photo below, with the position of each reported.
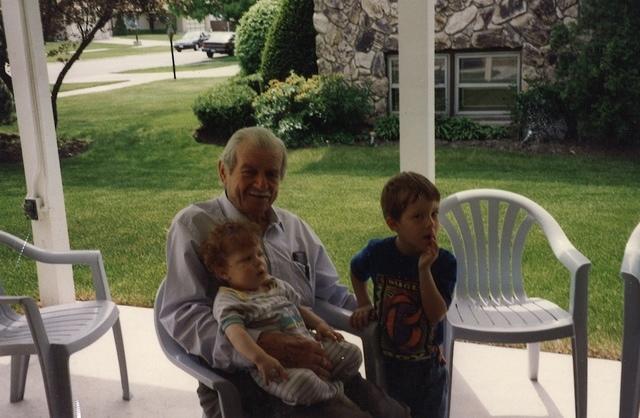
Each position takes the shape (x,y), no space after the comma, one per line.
(105,50)
(77,86)
(143,166)
(206,64)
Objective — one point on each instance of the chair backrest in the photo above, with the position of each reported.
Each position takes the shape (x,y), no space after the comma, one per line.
(631,262)
(488,229)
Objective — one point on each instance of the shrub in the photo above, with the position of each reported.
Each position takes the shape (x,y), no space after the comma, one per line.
(310,111)
(540,113)
(291,42)
(252,33)
(464,129)
(225,108)
(597,70)
(7,114)
(119,28)
(387,128)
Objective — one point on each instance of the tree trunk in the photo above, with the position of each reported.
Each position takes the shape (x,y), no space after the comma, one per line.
(86,40)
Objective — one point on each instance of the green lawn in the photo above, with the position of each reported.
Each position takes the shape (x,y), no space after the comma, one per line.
(97,50)
(205,64)
(143,166)
(77,86)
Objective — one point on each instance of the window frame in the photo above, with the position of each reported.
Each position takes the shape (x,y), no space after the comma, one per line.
(457,85)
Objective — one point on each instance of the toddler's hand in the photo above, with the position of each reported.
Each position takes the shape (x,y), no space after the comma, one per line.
(271,370)
(323,330)
(361,316)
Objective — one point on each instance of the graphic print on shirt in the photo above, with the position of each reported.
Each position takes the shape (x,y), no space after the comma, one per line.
(405,329)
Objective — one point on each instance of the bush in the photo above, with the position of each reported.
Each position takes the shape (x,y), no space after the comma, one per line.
(311,111)
(291,42)
(597,70)
(464,129)
(539,113)
(252,33)
(7,114)
(226,107)
(119,28)
(387,128)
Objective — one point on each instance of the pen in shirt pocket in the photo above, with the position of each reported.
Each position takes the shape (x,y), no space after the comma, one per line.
(301,257)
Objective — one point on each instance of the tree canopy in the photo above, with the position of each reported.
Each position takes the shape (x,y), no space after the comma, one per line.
(231,10)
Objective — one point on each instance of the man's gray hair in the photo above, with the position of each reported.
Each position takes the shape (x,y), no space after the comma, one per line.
(256,136)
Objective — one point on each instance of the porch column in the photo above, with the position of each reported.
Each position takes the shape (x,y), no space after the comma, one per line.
(416,21)
(25,45)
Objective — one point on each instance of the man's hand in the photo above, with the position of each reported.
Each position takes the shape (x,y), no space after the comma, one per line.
(323,330)
(296,351)
(270,369)
(360,317)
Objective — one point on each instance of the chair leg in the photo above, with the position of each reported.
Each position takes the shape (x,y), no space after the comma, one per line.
(122,361)
(534,359)
(58,383)
(449,343)
(579,351)
(630,374)
(19,367)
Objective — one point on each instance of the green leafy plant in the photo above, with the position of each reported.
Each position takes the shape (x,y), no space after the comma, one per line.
(291,42)
(598,72)
(252,33)
(301,111)
(540,113)
(7,114)
(225,108)
(464,129)
(387,128)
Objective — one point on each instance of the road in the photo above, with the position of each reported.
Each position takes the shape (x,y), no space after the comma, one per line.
(88,70)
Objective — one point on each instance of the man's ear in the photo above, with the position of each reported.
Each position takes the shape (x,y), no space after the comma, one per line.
(222,173)
(391,223)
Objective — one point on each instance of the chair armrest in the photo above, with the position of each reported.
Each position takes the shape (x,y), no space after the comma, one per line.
(339,318)
(34,319)
(91,258)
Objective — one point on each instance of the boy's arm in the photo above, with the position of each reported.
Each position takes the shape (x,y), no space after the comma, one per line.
(269,367)
(360,317)
(433,304)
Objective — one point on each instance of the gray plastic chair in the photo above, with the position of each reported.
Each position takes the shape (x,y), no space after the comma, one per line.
(488,231)
(56,332)
(630,376)
(228,395)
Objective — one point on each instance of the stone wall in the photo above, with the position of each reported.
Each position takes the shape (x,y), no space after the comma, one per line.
(354,36)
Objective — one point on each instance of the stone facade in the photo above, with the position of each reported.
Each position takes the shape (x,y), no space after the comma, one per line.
(354,36)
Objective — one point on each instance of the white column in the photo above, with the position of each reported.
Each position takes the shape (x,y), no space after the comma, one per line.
(416,21)
(25,44)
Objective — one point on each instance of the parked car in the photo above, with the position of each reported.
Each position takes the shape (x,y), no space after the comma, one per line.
(219,42)
(191,40)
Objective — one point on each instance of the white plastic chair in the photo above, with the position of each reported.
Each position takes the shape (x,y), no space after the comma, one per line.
(228,395)
(56,332)
(630,376)
(488,230)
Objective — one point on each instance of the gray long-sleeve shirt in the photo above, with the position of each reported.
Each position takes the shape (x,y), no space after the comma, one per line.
(186,309)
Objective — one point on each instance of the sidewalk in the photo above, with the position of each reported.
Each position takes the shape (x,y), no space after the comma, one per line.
(488,381)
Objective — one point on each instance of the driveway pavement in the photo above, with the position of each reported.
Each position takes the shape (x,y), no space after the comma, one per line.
(87,70)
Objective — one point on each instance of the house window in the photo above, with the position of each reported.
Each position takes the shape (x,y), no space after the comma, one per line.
(486,83)
(394,84)
(441,75)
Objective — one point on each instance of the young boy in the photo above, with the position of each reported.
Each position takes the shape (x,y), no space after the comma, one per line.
(413,283)
(250,298)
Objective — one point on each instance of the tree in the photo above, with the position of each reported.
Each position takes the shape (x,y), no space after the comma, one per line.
(86,16)
(598,70)
(231,10)
(291,42)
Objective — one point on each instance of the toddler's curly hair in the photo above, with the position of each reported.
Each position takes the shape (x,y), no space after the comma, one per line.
(225,239)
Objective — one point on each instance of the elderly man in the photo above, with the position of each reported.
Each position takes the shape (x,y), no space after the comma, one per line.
(251,167)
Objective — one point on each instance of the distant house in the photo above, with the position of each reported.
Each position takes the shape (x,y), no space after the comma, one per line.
(486,50)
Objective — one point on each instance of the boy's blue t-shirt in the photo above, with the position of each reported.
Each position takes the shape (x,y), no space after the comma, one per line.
(405,331)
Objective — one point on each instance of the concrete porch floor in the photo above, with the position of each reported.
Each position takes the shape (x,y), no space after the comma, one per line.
(487,381)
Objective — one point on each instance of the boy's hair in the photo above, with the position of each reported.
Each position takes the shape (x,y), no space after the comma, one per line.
(403,189)
(225,239)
